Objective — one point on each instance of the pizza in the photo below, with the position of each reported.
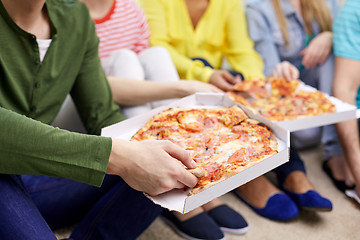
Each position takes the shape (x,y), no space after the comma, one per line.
(223,141)
(279,99)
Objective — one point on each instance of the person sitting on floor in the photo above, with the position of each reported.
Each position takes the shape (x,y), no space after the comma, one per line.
(49,49)
(182,26)
(346,88)
(300,32)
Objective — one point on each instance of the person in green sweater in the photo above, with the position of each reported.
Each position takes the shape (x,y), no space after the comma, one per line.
(48,49)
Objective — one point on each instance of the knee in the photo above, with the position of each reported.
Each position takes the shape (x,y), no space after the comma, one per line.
(157,52)
(124,54)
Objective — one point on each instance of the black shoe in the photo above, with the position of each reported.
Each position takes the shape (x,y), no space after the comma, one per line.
(229,220)
(199,227)
(339,184)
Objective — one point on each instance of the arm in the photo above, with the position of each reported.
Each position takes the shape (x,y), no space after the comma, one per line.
(187,68)
(346,83)
(240,49)
(129,92)
(91,92)
(265,46)
(321,46)
(31,147)
(259,32)
(318,50)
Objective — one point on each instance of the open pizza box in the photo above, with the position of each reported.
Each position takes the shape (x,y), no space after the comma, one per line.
(177,199)
(344,112)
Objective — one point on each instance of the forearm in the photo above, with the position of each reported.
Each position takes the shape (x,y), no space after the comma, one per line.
(130,92)
(31,147)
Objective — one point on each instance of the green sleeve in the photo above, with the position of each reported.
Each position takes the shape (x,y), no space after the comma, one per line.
(91,92)
(28,146)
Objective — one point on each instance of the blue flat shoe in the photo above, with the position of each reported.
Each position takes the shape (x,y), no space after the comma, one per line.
(279,207)
(229,220)
(311,200)
(199,227)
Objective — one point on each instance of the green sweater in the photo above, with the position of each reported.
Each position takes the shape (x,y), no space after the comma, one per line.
(31,94)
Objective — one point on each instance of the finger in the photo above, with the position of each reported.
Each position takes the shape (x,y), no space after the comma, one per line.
(229,77)
(179,185)
(187,178)
(237,78)
(286,72)
(303,52)
(294,73)
(305,61)
(225,86)
(180,154)
(277,71)
(315,57)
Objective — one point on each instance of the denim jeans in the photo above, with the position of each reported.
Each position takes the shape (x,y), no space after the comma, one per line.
(113,211)
(19,217)
(295,163)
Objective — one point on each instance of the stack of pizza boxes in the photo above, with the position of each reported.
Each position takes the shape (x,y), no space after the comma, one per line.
(179,199)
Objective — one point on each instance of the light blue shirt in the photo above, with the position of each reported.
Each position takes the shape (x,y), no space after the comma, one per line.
(265,32)
(347,34)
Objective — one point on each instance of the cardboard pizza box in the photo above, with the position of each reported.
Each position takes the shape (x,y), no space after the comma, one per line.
(177,199)
(344,112)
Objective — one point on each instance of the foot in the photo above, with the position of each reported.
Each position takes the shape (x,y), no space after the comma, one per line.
(266,200)
(226,218)
(199,226)
(303,193)
(297,182)
(258,191)
(340,170)
(187,216)
(212,204)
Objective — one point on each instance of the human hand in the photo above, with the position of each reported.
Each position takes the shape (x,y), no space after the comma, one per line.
(318,50)
(285,70)
(151,166)
(189,87)
(223,80)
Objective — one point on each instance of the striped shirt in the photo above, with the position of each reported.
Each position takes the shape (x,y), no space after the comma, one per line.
(124,26)
(346,30)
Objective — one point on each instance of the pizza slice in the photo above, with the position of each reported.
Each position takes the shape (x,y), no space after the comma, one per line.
(280,87)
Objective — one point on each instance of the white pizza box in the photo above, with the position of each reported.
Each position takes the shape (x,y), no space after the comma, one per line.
(177,199)
(344,111)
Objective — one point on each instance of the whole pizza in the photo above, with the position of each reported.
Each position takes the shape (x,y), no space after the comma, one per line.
(278,99)
(223,141)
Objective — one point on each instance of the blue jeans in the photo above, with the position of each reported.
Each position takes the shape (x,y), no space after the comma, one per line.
(295,163)
(113,211)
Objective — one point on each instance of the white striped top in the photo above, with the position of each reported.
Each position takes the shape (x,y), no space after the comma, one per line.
(124,26)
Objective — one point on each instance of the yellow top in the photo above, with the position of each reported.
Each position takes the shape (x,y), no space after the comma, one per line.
(221,31)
